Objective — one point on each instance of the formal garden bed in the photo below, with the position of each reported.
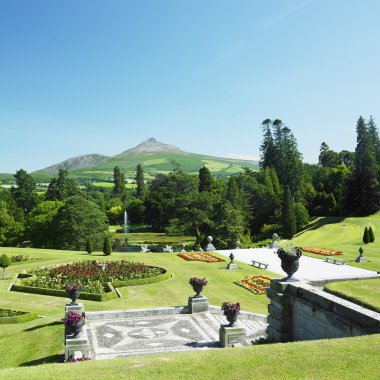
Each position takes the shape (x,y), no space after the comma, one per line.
(322,251)
(97,280)
(15,316)
(255,284)
(200,256)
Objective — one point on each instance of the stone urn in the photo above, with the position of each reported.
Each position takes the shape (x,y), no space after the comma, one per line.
(290,262)
(231,318)
(197,289)
(74,295)
(76,330)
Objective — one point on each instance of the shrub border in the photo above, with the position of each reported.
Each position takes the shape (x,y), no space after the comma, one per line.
(21,318)
(109,295)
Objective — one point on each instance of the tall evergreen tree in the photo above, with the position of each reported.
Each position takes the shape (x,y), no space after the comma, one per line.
(24,192)
(140,181)
(288,216)
(267,146)
(89,246)
(363,189)
(119,183)
(281,152)
(374,136)
(61,188)
(205,179)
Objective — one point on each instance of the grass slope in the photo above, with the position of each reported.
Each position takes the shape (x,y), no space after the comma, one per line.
(351,358)
(364,292)
(160,163)
(343,234)
(20,340)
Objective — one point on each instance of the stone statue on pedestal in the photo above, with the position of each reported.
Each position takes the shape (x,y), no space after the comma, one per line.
(209,246)
(275,243)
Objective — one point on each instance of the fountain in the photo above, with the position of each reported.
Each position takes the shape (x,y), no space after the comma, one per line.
(126,227)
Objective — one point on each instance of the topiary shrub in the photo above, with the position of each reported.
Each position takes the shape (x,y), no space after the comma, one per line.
(371,235)
(5,262)
(89,246)
(366,236)
(107,247)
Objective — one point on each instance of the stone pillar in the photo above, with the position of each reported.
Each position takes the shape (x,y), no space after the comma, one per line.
(79,343)
(280,312)
(228,336)
(198,304)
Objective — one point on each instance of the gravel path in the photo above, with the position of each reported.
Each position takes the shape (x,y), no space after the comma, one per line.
(310,268)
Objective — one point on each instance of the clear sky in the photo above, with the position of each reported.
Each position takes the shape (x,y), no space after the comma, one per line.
(91,76)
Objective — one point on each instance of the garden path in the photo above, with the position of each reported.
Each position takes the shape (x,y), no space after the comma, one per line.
(309,269)
(117,337)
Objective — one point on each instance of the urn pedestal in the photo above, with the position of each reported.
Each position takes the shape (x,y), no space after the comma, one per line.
(229,336)
(198,304)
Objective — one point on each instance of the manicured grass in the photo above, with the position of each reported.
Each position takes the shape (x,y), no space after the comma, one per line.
(172,292)
(154,238)
(343,234)
(363,292)
(350,358)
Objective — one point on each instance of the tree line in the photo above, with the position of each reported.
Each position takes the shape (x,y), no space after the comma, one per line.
(246,208)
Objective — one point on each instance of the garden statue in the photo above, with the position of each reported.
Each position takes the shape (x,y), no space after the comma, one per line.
(361,258)
(275,243)
(209,246)
(231,264)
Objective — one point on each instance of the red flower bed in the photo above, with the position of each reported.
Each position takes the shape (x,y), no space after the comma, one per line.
(323,251)
(200,256)
(255,284)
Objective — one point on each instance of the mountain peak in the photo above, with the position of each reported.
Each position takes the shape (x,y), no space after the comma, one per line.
(151,145)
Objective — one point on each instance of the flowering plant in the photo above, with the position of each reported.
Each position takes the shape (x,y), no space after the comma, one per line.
(72,286)
(194,281)
(230,308)
(290,250)
(82,359)
(73,318)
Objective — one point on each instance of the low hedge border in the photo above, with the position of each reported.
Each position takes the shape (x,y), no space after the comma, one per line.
(352,299)
(21,318)
(109,295)
(143,281)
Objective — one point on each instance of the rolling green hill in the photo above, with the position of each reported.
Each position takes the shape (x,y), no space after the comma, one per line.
(155,156)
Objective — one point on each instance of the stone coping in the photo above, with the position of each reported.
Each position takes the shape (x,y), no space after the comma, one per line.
(166,310)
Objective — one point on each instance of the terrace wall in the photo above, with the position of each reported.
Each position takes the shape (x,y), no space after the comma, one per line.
(299,311)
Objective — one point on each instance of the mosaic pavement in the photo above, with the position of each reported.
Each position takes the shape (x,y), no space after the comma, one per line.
(143,335)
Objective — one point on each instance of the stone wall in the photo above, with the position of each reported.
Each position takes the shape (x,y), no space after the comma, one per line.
(299,311)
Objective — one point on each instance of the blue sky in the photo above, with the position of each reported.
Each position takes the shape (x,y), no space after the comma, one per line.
(90,76)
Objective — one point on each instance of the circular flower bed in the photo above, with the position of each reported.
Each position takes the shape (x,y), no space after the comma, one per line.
(89,275)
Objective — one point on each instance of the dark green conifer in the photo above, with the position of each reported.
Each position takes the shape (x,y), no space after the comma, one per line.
(89,246)
(288,216)
(371,235)
(107,247)
(366,236)
(205,179)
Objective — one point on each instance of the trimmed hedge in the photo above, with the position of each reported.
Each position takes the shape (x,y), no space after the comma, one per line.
(20,318)
(62,293)
(109,295)
(143,281)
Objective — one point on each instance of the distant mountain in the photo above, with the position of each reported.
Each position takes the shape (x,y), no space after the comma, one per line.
(150,146)
(155,156)
(78,162)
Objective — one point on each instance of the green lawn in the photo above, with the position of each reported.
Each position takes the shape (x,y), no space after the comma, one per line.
(350,358)
(343,234)
(173,292)
(363,292)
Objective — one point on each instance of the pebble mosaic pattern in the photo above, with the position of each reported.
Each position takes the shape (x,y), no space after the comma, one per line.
(142,335)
